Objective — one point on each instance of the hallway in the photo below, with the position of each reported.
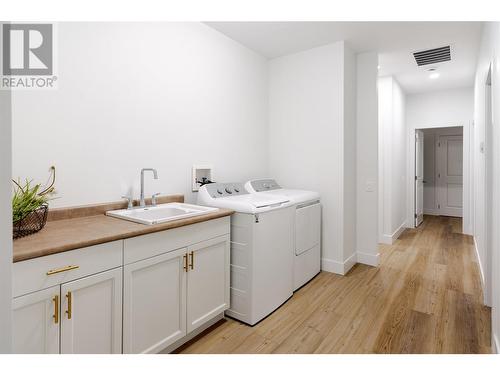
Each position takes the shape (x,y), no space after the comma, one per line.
(424,298)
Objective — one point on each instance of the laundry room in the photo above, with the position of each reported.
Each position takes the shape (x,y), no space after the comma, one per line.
(232,186)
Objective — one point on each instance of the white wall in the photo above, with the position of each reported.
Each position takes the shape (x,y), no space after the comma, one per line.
(440,109)
(392,167)
(489,55)
(306,119)
(134,95)
(431,136)
(349,159)
(399,172)
(367,159)
(5,221)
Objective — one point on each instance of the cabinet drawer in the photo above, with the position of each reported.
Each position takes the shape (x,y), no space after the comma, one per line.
(147,246)
(31,275)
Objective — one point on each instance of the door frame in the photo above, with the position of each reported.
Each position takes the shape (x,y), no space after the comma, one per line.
(467,169)
(489,185)
(417,219)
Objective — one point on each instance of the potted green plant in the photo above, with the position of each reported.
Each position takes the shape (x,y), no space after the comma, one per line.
(30,205)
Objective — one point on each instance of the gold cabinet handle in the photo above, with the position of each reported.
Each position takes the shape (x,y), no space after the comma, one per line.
(62,269)
(69,297)
(185,258)
(56,309)
(191,255)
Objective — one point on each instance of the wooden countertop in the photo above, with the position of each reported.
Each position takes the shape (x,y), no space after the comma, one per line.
(77,232)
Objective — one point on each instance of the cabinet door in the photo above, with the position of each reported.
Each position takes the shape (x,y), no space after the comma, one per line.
(91,320)
(35,322)
(154,314)
(208,281)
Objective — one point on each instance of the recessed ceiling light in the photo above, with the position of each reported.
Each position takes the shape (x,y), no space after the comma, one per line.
(434,75)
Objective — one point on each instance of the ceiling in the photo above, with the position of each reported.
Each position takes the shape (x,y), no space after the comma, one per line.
(395,42)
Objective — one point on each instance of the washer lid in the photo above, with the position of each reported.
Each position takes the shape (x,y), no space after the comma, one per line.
(261,200)
(270,187)
(252,203)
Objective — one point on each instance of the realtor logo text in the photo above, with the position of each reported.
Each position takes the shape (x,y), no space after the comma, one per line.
(28,56)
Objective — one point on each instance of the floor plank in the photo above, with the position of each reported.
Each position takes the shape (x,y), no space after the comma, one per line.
(425,297)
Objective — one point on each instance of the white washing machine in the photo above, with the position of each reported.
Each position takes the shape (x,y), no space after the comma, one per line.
(307,227)
(261,248)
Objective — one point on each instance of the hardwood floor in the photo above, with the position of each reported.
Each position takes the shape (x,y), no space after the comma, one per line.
(424,298)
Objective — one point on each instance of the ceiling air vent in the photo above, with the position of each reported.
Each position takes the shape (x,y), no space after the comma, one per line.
(432,56)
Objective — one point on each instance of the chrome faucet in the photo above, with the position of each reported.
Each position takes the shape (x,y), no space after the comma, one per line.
(142,202)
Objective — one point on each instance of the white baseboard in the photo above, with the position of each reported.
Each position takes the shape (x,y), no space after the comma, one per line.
(368,259)
(399,231)
(340,268)
(467,230)
(385,239)
(495,346)
(478,259)
(330,265)
(486,300)
(431,211)
(389,239)
(349,263)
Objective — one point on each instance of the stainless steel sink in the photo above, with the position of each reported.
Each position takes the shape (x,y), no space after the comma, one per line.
(160,213)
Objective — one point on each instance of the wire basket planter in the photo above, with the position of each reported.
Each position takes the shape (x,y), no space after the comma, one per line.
(31,223)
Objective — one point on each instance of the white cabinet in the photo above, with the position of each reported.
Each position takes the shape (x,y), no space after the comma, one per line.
(138,295)
(154,315)
(35,322)
(207,281)
(82,316)
(91,320)
(169,295)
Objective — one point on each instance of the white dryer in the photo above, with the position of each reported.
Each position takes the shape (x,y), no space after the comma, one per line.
(307,227)
(261,248)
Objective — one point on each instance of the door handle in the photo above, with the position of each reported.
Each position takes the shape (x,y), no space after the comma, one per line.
(63,269)
(424,181)
(69,298)
(56,309)
(185,261)
(191,255)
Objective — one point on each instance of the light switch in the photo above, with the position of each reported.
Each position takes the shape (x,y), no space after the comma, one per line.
(370,186)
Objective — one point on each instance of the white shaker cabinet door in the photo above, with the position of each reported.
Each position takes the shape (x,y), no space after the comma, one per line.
(154,315)
(35,322)
(91,319)
(208,281)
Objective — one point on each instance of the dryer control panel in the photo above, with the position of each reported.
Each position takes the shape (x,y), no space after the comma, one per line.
(219,190)
(264,185)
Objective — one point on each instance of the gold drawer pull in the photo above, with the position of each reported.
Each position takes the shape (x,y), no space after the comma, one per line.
(63,269)
(70,302)
(56,309)
(191,254)
(185,258)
